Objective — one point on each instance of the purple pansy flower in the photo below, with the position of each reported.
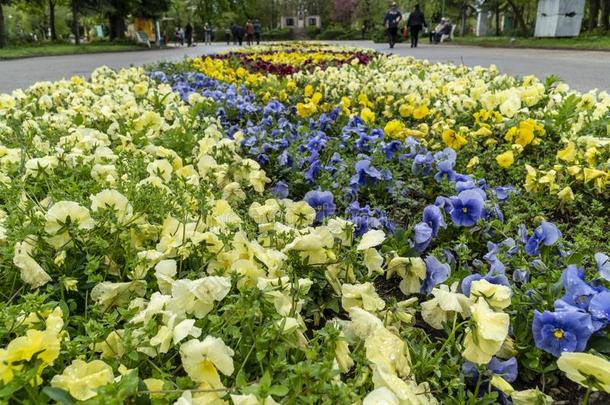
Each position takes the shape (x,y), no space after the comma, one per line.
(322,202)
(561,331)
(546,234)
(467,208)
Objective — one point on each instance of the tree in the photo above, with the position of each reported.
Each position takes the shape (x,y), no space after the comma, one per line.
(606,15)
(75,7)
(594,7)
(116,11)
(343,10)
(3,39)
(518,11)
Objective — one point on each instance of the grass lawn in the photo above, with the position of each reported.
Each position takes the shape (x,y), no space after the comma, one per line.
(48,49)
(582,42)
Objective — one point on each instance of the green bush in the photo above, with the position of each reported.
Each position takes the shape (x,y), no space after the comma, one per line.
(278,35)
(333,32)
(313,32)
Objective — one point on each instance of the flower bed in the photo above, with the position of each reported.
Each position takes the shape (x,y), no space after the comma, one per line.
(369,230)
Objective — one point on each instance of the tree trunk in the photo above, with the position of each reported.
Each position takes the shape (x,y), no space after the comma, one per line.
(498,30)
(52,20)
(2,28)
(519,16)
(75,27)
(463,11)
(606,15)
(117,26)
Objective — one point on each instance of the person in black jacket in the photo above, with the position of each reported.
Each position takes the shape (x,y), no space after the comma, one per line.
(415,22)
(391,21)
(188,33)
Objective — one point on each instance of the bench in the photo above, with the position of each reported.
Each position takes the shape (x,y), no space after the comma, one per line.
(142,38)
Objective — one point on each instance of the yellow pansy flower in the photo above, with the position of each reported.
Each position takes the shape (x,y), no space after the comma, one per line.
(586,369)
(506,159)
(567,154)
(452,139)
(566,194)
(421,112)
(592,174)
(82,379)
(308,92)
(405,110)
(367,115)
(395,129)
(530,179)
(306,110)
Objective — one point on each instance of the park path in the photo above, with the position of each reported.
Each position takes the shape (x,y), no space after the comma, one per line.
(582,70)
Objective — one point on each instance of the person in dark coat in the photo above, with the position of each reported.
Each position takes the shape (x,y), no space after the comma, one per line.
(188,33)
(257,31)
(391,21)
(415,22)
(241,32)
(234,33)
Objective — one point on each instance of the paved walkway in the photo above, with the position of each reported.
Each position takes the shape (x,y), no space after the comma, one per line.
(583,70)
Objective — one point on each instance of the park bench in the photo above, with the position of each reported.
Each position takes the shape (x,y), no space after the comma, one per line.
(142,38)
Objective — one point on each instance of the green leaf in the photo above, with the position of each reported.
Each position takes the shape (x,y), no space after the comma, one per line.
(279,390)
(59,395)
(266,381)
(128,385)
(600,343)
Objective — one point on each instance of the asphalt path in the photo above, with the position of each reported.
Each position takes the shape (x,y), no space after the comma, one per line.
(582,70)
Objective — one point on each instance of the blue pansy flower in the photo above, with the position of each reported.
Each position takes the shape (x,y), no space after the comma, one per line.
(280,190)
(507,369)
(603,265)
(365,173)
(561,331)
(422,164)
(390,149)
(447,155)
(433,216)
(312,172)
(546,234)
(521,276)
(322,202)
(464,185)
(436,273)
(467,208)
(577,292)
(445,170)
(422,236)
(444,203)
(503,192)
(599,307)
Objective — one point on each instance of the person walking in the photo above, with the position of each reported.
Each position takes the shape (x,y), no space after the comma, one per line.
(415,22)
(257,31)
(179,36)
(228,36)
(249,32)
(234,33)
(207,34)
(391,21)
(188,33)
(240,34)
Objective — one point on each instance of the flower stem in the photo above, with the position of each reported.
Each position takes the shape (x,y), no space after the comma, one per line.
(585,399)
(476,389)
